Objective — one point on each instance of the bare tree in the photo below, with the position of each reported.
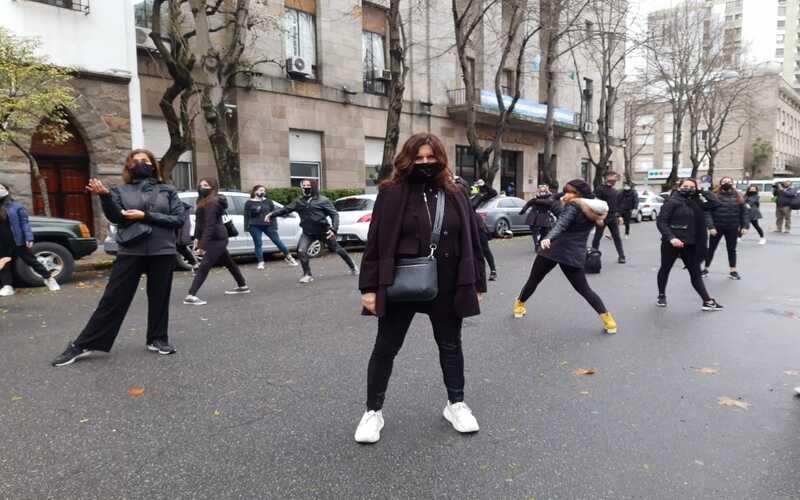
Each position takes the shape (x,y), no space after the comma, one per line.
(636,104)
(398,68)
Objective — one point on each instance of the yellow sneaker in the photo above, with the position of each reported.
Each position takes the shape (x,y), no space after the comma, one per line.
(608,322)
(519,309)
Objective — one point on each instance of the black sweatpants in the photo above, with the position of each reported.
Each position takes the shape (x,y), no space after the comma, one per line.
(575,275)
(626,219)
(731,239)
(392,329)
(538,233)
(613,227)
(186,252)
(487,250)
(23,253)
(103,327)
(756,225)
(691,260)
(216,254)
(307,239)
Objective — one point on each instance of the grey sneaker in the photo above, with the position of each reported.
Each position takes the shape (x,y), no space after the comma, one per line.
(290,260)
(191,300)
(354,271)
(161,347)
(307,278)
(52,284)
(238,290)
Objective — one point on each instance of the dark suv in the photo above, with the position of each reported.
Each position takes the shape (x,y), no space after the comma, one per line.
(58,243)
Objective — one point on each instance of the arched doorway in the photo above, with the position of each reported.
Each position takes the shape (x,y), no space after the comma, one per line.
(65,168)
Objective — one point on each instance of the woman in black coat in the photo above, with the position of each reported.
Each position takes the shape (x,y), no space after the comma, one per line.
(540,219)
(728,218)
(753,202)
(147,214)
(682,223)
(565,246)
(402,221)
(211,241)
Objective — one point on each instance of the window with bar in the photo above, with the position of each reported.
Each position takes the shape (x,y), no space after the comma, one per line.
(76,5)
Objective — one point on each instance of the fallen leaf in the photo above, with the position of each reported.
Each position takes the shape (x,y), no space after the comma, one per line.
(16,398)
(483,467)
(584,393)
(647,467)
(216,413)
(726,401)
(564,363)
(792,373)
(136,391)
(81,284)
(585,371)
(706,371)
(83,420)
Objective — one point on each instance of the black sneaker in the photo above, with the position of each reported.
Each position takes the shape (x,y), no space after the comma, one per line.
(734,276)
(712,306)
(621,260)
(493,276)
(160,347)
(704,273)
(661,301)
(71,354)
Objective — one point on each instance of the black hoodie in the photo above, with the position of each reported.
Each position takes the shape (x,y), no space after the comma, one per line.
(208,221)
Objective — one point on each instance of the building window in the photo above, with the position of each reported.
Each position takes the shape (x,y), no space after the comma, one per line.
(471,67)
(509,88)
(374,53)
(644,163)
(781,23)
(301,171)
(373,157)
(76,5)
(645,120)
(782,11)
(305,156)
(301,35)
(588,91)
(466,167)
(183,176)
(779,52)
(645,139)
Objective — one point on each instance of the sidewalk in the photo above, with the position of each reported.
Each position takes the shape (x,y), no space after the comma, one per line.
(98,260)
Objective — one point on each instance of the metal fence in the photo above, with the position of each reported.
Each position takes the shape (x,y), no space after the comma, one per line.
(76,5)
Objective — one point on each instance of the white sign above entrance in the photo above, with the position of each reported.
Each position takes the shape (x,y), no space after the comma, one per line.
(663,173)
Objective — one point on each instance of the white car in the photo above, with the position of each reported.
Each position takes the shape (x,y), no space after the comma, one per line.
(649,207)
(355,214)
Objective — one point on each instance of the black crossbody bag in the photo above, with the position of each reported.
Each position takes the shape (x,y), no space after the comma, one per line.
(417,279)
(130,234)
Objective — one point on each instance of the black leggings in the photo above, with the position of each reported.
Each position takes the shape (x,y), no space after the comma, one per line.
(306,240)
(626,219)
(487,250)
(392,329)
(756,225)
(575,275)
(216,253)
(538,233)
(691,260)
(25,255)
(731,237)
(613,228)
(185,252)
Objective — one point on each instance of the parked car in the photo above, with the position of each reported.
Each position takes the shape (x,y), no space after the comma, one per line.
(241,245)
(355,214)
(501,213)
(649,207)
(58,243)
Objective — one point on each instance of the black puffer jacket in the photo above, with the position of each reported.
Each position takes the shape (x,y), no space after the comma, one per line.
(684,218)
(568,237)
(611,196)
(313,212)
(628,200)
(729,213)
(163,213)
(208,222)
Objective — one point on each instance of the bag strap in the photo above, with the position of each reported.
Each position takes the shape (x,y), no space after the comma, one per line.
(437,224)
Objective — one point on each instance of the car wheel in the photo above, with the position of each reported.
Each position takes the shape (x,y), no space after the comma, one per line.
(314,249)
(54,257)
(501,228)
(654,215)
(638,217)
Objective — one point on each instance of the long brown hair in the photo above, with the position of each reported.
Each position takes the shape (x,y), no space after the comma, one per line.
(129,162)
(404,161)
(718,189)
(214,183)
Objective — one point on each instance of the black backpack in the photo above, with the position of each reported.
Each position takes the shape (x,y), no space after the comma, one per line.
(594,261)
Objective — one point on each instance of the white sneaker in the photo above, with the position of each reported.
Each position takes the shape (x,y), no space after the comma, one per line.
(369,428)
(460,417)
(290,260)
(797,390)
(7,291)
(52,284)
(191,300)
(762,241)
(307,278)
(260,266)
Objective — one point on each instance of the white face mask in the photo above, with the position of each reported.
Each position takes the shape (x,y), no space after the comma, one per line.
(3,193)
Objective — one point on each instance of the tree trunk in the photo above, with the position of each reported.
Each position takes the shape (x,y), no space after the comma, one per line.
(548,173)
(396,90)
(37,176)
(712,161)
(225,156)
(672,180)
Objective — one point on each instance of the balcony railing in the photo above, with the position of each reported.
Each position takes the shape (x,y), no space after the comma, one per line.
(458,97)
(76,5)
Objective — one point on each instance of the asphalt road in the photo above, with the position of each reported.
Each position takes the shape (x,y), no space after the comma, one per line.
(263,396)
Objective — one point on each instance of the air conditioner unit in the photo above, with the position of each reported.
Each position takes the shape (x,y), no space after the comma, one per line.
(143,38)
(379,75)
(588,127)
(298,67)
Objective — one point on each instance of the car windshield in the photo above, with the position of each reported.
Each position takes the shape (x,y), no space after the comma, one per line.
(353,204)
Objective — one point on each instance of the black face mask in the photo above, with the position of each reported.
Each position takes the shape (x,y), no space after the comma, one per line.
(204,192)
(425,171)
(261,195)
(141,170)
(307,192)
(689,192)
(727,187)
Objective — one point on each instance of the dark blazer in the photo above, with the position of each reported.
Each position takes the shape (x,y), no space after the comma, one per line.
(540,215)
(314,213)
(628,200)
(208,224)
(378,261)
(256,210)
(611,196)
(568,237)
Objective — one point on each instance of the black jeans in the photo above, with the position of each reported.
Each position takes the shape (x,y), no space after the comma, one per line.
(575,275)
(216,253)
(731,238)
(691,260)
(538,233)
(626,219)
(103,327)
(392,329)
(487,250)
(613,227)
(185,252)
(23,253)
(307,239)
(756,225)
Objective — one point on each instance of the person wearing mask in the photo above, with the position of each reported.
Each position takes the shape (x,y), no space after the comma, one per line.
(420,195)
(147,213)
(184,238)
(784,194)
(728,218)
(753,202)
(314,211)
(511,189)
(480,194)
(255,222)
(628,201)
(16,241)
(682,224)
(542,205)
(211,241)
(565,246)
(610,195)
